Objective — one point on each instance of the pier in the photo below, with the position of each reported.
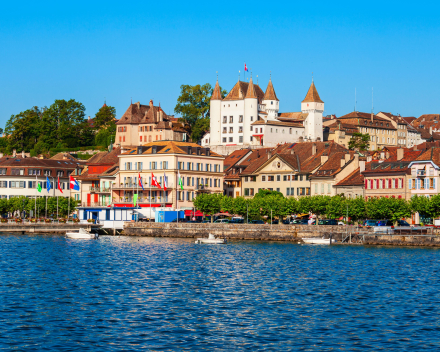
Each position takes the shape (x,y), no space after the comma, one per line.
(41,227)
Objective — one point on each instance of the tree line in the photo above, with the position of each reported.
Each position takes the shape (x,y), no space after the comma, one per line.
(266,202)
(62,125)
(17,205)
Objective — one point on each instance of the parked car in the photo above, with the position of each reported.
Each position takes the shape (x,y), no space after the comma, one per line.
(257,222)
(286,222)
(222,221)
(275,222)
(237,221)
(327,222)
(300,222)
(180,220)
(194,222)
(402,223)
(341,223)
(369,223)
(385,223)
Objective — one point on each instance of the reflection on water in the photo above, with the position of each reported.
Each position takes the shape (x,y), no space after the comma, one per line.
(121,293)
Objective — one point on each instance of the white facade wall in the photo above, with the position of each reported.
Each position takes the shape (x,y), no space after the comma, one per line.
(9,189)
(215,121)
(250,116)
(274,135)
(313,122)
(234,109)
(271,107)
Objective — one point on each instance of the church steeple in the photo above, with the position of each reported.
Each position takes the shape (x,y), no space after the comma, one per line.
(216,94)
(270,92)
(251,90)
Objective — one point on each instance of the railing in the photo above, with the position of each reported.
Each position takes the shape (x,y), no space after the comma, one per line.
(96,189)
(96,204)
(421,173)
(131,186)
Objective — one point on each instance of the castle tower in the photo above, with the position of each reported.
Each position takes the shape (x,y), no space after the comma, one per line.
(271,101)
(250,112)
(215,115)
(314,107)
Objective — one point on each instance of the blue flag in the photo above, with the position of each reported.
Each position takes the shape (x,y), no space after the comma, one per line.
(49,187)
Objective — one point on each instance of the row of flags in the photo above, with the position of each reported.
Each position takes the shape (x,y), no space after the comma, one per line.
(73,184)
(157,184)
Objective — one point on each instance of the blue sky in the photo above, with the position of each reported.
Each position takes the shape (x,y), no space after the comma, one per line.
(89,51)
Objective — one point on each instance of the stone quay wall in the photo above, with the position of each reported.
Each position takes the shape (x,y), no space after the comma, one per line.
(235,231)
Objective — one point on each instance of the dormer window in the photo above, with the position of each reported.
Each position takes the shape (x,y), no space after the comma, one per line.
(271,103)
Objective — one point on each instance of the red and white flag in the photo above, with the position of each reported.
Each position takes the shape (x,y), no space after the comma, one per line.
(59,185)
(245,68)
(164,182)
(154,181)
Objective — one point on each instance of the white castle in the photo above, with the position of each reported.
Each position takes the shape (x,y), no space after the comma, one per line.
(249,117)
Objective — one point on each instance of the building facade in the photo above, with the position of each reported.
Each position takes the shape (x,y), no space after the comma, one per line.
(200,170)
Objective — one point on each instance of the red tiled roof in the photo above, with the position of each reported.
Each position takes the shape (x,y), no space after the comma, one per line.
(239,91)
(216,94)
(354,179)
(270,92)
(139,114)
(312,95)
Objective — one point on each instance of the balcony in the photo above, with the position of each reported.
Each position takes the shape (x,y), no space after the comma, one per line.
(421,173)
(97,204)
(95,189)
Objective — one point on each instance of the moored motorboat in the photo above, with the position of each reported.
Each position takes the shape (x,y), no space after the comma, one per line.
(316,240)
(211,240)
(81,234)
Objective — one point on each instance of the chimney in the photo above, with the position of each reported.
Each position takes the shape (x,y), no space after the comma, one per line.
(415,147)
(318,139)
(430,130)
(22,154)
(324,158)
(400,154)
(88,118)
(14,153)
(64,156)
(160,115)
(269,154)
(301,139)
(314,149)
(138,105)
(369,158)
(387,155)
(342,162)
(151,103)
(157,117)
(347,157)
(356,160)
(292,151)
(361,166)
(372,117)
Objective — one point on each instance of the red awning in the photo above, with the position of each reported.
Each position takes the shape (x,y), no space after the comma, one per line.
(191,213)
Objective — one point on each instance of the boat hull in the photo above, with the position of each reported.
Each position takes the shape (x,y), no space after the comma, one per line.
(211,241)
(84,236)
(318,240)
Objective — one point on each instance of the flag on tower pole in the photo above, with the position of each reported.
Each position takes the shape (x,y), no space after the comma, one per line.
(140,181)
(180,180)
(154,181)
(59,185)
(245,68)
(165,183)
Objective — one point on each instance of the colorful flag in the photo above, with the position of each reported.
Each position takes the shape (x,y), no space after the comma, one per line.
(49,186)
(154,181)
(180,180)
(74,184)
(165,183)
(135,198)
(38,185)
(245,68)
(140,182)
(59,185)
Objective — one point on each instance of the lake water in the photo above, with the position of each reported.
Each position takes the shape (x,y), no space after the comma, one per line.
(156,294)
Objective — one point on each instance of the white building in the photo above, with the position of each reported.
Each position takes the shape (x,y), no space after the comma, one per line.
(247,117)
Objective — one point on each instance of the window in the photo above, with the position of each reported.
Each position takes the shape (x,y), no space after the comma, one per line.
(60,173)
(329,188)
(224,139)
(240,139)
(231,139)
(225,119)
(17,184)
(278,177)
(251,138)
(246,179)
(240,119)
(240,129)
(290,131)
(270,178)
(322,188)
(3,184)
(263,178)
(30,172)
(231,129)
(252,118)
(225,130)
(17,171)
(47,172)
(231,119)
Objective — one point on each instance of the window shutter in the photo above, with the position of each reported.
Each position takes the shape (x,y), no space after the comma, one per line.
(161,164)
(150,165)
(409,184)
(29,184)
(23,184)
(396,185)
(433,183)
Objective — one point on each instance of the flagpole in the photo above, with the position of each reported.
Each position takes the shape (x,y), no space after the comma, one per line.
(175,191)
(36,193)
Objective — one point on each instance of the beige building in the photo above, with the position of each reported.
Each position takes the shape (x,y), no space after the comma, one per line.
(333,170)
(382,131)
(142,124)
(200,169)
(352,186)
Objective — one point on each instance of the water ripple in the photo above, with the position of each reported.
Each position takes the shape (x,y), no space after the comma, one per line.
(152,294)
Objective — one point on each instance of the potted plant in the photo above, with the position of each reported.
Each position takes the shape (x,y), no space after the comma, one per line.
(75,220)
(47,220)
(18,220)
(3,220)
(91,220)
(62,220)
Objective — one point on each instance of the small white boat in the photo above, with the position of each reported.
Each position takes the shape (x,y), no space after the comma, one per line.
(81,234)
(316,240)
(211,239)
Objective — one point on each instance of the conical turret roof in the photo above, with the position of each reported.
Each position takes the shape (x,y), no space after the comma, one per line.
(312,95)
(270,92)
(216,94)
(251,90)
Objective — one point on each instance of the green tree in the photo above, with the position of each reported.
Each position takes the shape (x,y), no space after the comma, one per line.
(356,208)
(318,205)
(359,141)
(227,204)
(208,203)
(267,192)
(106,135)
(240,205)
(199,129)
(105,116)
(23,130)
(335,207)
(193,104)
